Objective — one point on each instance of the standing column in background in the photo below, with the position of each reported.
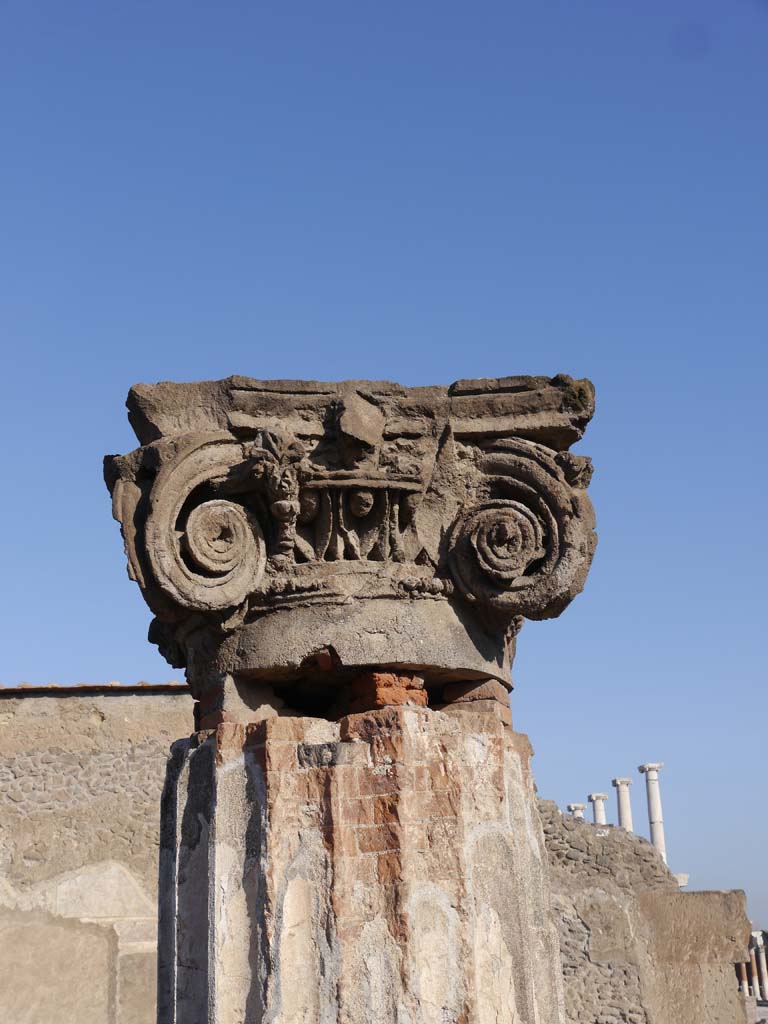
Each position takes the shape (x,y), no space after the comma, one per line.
(598,807)
(624,803)
(762,967)
(743,982)
(577,810)
(655,816)
(753,971)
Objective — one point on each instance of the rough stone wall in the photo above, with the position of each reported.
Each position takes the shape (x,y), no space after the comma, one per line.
(81,773)
(635,949)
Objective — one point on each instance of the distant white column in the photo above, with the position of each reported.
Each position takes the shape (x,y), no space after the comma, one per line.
(577,810)
(598,807)
(753,971)
(655,817)
(762,966)
(624,803)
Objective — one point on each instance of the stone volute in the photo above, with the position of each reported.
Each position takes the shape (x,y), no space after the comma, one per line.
(351,834)
(293,534)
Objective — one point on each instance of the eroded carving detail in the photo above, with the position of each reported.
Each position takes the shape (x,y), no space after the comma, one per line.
(528,549)
(321,495)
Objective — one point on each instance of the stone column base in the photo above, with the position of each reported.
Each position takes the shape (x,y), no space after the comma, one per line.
(385,869)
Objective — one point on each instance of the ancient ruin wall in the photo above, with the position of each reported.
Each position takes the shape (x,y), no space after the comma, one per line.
(634,948)
(81,773)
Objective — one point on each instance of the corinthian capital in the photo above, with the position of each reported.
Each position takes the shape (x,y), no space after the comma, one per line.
(277,528)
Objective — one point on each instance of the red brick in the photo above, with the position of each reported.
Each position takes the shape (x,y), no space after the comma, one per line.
(378,838)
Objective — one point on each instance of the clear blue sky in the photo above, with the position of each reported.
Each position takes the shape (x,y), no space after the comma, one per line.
(419,192)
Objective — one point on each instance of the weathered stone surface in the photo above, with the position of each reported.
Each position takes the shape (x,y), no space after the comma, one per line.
(636,950)
(500,711)
(612,892)
(346,550)
(489,689)
(81,773)
(137,989)
(78,774)
(386,868)
(55,970)
(274,524)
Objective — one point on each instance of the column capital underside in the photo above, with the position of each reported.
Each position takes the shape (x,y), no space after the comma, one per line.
(295,532)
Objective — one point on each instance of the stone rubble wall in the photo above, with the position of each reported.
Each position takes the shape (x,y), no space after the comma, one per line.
(81,774)
(635,949)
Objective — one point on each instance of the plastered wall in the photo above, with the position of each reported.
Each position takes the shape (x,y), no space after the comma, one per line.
(81,772)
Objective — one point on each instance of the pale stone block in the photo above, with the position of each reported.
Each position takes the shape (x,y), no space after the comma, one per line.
(137,988)
(55,970)
(106,890)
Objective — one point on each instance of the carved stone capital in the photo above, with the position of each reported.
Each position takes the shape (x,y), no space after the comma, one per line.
(279,529)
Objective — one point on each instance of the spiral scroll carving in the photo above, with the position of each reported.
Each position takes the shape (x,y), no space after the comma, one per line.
(209,557)
(217,535)
(527,550)
(302,531)
(505,537)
